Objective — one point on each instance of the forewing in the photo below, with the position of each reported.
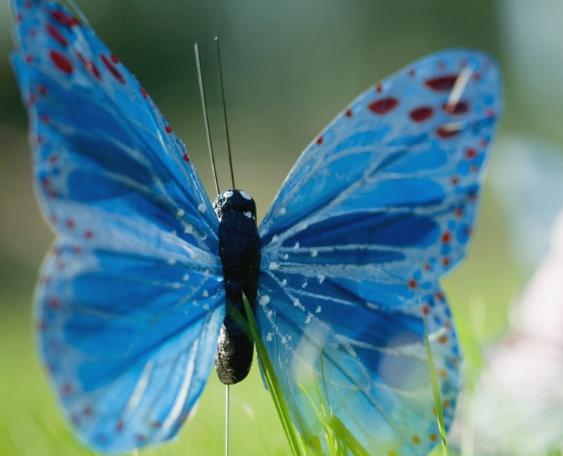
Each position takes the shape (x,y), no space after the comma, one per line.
(130,302)
(395,172)
(376,210)
(101,148)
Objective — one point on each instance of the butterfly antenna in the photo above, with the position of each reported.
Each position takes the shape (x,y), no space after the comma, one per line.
(224,103)
(205,115)
(227,415)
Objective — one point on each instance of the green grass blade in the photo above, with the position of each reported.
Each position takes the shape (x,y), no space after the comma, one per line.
(436,392)
(346,437)
(291,433)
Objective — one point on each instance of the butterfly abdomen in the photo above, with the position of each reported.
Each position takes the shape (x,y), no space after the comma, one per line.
(239,245)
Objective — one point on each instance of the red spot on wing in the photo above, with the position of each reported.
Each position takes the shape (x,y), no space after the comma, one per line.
(319,140)
(90,66)
(67,389)
(413,284)
(61,62)
(446,237)
(111,68)
(56,35)
(186,158)
(168,129)
(88,234)
(421,114)
(114,58)
(442,83)
(470,153)
(29,58)
(379,87)
(458,212)
(65,19)
(461,107)
(426,310)
(140,438)
(348,113)
(384,105)
(144,92)
(70,224)
(454,180)
(32,100)
(42,90)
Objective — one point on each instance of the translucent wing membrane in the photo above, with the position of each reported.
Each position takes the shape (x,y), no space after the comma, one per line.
(376,210)
(131,301)
(338,358)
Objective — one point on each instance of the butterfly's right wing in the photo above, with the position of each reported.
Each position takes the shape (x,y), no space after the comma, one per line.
(131,299)
(373,214)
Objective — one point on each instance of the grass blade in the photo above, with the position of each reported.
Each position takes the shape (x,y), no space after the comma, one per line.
(436,392)
(291,433)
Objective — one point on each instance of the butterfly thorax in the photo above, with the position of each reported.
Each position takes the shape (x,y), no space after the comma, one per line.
(239,246)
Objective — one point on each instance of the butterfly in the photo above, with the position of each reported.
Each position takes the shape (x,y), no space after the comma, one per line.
(133,298)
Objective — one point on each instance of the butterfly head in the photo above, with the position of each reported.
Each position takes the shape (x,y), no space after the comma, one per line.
(235,201)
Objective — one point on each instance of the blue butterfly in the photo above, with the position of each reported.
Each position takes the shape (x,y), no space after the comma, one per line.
(132,301)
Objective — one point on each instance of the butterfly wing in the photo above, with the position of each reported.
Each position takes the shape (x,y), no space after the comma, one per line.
(375,211)
(131,299)
(128,339)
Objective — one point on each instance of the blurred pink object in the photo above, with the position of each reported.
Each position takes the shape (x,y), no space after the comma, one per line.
(518,404)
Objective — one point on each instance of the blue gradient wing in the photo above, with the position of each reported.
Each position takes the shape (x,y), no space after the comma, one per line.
(375,211)
(128,339)
(130,301)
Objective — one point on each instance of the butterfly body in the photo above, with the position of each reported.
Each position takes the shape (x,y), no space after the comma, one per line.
(239,250)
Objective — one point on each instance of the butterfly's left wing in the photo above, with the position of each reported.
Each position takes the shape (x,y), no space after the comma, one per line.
(131,299)
(376,210)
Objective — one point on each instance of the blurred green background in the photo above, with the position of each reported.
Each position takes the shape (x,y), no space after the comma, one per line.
(289,67)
